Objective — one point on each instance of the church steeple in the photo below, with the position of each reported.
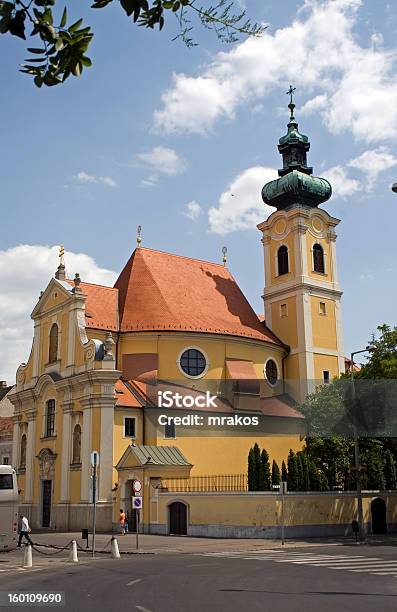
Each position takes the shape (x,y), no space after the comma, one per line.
(296,186)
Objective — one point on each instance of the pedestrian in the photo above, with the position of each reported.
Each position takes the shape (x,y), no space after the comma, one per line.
(126,525)
(24,530)
(122,521)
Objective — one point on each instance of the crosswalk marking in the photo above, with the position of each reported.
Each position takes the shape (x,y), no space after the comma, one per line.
(349,563)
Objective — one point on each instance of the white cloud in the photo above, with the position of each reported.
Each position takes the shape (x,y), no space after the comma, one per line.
(108,181)
(343,185)
(193,210)
(84,178)
(26,270)
(163,160)
(240,206)
(372,163)
(314,105)
(321,47)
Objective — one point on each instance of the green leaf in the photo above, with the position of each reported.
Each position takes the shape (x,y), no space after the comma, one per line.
(86,61)
(38,81)
(64,17)
(59,45)
(75,26)
(168,5)
(176,6)
(35,50)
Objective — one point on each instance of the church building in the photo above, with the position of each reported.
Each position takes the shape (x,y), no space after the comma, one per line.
(102,355)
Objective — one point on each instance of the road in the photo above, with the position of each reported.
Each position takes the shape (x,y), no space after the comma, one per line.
(342,578)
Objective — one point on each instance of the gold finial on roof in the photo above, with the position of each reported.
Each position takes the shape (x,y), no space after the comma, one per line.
(138,237)
(224,251)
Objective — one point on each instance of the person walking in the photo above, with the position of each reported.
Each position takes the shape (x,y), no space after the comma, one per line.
(122,521)
(24,530)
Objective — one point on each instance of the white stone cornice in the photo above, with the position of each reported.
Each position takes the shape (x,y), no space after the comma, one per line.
(320,288)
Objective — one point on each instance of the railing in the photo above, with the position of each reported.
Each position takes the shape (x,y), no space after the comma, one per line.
(206,484)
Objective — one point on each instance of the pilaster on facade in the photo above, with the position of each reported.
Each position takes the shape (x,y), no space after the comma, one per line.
(67,407)
(30,455)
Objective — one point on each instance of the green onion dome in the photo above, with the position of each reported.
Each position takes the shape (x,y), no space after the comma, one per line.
(296,188)
(296,185)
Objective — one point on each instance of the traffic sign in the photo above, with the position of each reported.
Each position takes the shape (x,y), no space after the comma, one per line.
(94,458)
(136,487)
(137,503)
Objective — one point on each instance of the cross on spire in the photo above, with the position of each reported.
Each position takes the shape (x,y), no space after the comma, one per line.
(290,92)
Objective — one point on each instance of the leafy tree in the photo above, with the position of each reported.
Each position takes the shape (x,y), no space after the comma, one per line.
(61,48)
(314,477)
(284,472)
(265,464)
(293,475)
(390,471)
(275,473)
(251,470)
(382,361)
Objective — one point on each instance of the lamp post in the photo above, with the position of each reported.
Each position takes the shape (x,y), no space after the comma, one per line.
(361,534)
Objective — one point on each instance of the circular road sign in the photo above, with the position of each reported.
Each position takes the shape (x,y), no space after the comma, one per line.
(137,486)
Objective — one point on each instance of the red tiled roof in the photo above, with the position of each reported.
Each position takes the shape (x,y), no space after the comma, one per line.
(280,406)
(161,291)
(101,306)
(124,396)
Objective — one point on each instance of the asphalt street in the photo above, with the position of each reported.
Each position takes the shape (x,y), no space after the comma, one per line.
(327,579)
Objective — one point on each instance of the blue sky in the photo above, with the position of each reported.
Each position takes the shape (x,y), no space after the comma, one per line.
(160,135)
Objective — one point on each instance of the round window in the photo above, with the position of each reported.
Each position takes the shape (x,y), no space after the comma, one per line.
(271,371)
(192,362)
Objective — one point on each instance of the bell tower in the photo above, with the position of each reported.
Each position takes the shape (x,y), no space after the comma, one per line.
(302,295)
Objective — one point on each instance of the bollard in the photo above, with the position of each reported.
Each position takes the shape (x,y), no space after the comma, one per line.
(73,553)
(27,556)
(115,548)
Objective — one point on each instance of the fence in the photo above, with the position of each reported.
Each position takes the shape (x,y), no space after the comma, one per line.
(206,484)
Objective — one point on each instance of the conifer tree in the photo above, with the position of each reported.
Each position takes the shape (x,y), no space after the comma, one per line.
(299,467)
(390,471)
(258,468)
(276,473)
(265,470)
(305,483)
(293,475)
(284,473)
(251,470)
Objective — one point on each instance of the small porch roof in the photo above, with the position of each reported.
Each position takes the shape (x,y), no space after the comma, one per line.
(148,455)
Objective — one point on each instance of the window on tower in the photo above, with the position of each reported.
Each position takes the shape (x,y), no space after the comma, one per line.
(318,259)
(282,260)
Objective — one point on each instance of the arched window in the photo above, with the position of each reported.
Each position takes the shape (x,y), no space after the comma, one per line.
(22,453)
(318,258)
(282,259)
(53,348)
(76,454)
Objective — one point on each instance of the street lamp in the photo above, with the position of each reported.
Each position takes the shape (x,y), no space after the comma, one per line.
(357,449)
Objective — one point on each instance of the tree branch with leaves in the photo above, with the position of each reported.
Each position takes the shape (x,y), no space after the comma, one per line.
(62,49)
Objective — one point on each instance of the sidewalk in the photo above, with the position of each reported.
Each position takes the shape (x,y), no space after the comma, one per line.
(46,557)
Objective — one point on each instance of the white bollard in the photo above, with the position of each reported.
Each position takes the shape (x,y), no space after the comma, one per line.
(27,556)
(73,553)
(115,549)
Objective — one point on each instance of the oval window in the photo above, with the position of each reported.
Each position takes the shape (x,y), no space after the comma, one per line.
(192,362)
(271,372)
